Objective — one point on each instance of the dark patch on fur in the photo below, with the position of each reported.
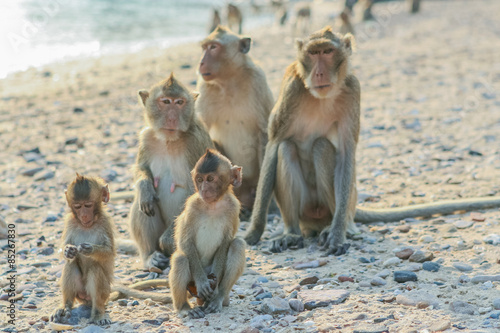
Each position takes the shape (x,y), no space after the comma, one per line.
(81,188)
(208,162)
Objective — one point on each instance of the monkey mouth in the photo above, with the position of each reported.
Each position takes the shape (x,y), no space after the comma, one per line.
(323,86)
(87,224)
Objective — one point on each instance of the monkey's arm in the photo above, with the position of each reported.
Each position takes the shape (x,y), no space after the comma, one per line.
(220,258)
(146,193)
(96,251)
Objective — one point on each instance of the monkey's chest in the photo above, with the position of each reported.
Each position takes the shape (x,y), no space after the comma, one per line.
(170,172)
(208,239)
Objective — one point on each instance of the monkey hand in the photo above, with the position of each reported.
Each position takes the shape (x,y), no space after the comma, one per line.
(85,249)
(331,243)
(147,197)
(70,251)
(205,291)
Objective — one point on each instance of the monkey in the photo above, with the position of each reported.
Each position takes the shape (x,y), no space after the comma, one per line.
(169,146)
(89,250)
(309,162)
(414,6)
(367,11)
(302,18)
(348,6)
(234,103)
(215,20)
(234,18)
(207,251)
(346,26)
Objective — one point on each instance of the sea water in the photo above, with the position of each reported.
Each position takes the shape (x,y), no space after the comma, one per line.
(38,32)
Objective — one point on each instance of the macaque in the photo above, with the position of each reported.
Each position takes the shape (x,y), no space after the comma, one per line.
(169,146)
(309,163)
(234,103)
(89,250)
(367,11)
(216,21)
(414,6)
(234,18)
(207,251)
(302,21)
(346,26)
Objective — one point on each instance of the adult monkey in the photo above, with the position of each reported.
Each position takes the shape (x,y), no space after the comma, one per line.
(310,157)
(234,103)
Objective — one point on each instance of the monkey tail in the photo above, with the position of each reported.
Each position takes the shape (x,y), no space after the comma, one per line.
(136,290)
(424,210)
(125,195)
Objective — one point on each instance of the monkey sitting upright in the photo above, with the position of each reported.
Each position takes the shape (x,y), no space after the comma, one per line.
(205,238)
(169,146)
(89,250)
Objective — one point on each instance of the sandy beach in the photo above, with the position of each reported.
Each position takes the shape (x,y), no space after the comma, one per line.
(430,130)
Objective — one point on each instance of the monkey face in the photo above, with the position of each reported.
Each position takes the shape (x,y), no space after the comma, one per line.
(170,116)
(210,187)
(210,60)
(84,212)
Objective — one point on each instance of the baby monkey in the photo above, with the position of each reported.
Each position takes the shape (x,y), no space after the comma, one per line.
(89,250)
(207,252)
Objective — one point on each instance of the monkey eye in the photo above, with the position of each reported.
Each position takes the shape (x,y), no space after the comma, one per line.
(179,101)
(328,51)
(166,100)
(212,46)
(77,206)
(313,52)
(199,179)
(210,178)
(88,205)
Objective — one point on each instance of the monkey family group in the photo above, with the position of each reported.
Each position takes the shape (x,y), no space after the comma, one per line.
(227,150)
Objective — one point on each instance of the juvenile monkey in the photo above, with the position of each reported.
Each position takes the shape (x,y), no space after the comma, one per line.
(89,250)
(169,146)
(234,18)
(205,238)
(309,162)
(302,21)
(234,103)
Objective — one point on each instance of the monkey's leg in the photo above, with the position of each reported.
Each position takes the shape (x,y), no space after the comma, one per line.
(235,265)
(146,231)
(179,277)
(99,288)
(289,189)
(71,283)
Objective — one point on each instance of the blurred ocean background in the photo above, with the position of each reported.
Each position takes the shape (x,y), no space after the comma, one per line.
(38,32)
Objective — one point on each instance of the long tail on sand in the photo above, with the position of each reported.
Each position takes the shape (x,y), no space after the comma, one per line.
(136,290)
(424,210)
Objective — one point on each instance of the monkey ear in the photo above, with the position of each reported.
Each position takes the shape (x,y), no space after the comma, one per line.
(236,176)
(143,96)
(245,44)
(299,43)
(105,193)
(66,195)
(349,42)
(195,95)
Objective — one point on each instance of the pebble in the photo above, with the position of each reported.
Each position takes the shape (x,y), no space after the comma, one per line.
(122,302)
(485,278)
(391,262)
(51,218)
(485,310)
(365,284)
(258,321)
(109,175)
(462,307)
(31,172)
(405,276)
(495,314)
(440,325)
(477,217)
(296,305)
(426,239)
(262,279)
(46,251)
(345,278)
(431,266)
(320,298)
(462,267)
(421,256)
(309,280)
(370,239)
(487,285)
(263,296)
(310,264)
(463,279)
(45,176)
(461,224)
(496,303)
(493,239)
(405,228)
(384,273)
(364,260)
(93,329)
(377,281)
(405,253)
(370,329)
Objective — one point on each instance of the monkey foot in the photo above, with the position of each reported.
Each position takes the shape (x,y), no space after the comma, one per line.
(329,244)
(252,237)
(60,315)
(101,321)
(157,261)
(213,306)
(196,313)
(281,243)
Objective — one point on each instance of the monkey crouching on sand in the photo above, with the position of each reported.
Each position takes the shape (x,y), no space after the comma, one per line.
(89,250)
(207,252)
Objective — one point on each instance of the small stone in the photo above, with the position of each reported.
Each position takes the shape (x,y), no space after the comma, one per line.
(93,329)
(485,278)
(370,329)
(109,175)
(310,264)
(153,322)
(51,218)
(495,314)
(405,228)
(309,280)
(361,316)
(365,284)
(364,260)
(391,262)
(275,306)
(403,300)
(46,251)
(461,224)
(431,266)
(496,303)
(263,296)
(405,253)
(426,239)
(262,279)
(477,217)
(296,305)
(45,176)
(414,267)
(31,156)
(320,298)
(462,267)
(463,279)
(378,282)
(493,239)
(78,110)
(462,307)
(422,305)
(485,310)
(384,273)
(31,172)
(405,276)
(122,302)
(440,325)
(420,256)
(370,239)
(345,278)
